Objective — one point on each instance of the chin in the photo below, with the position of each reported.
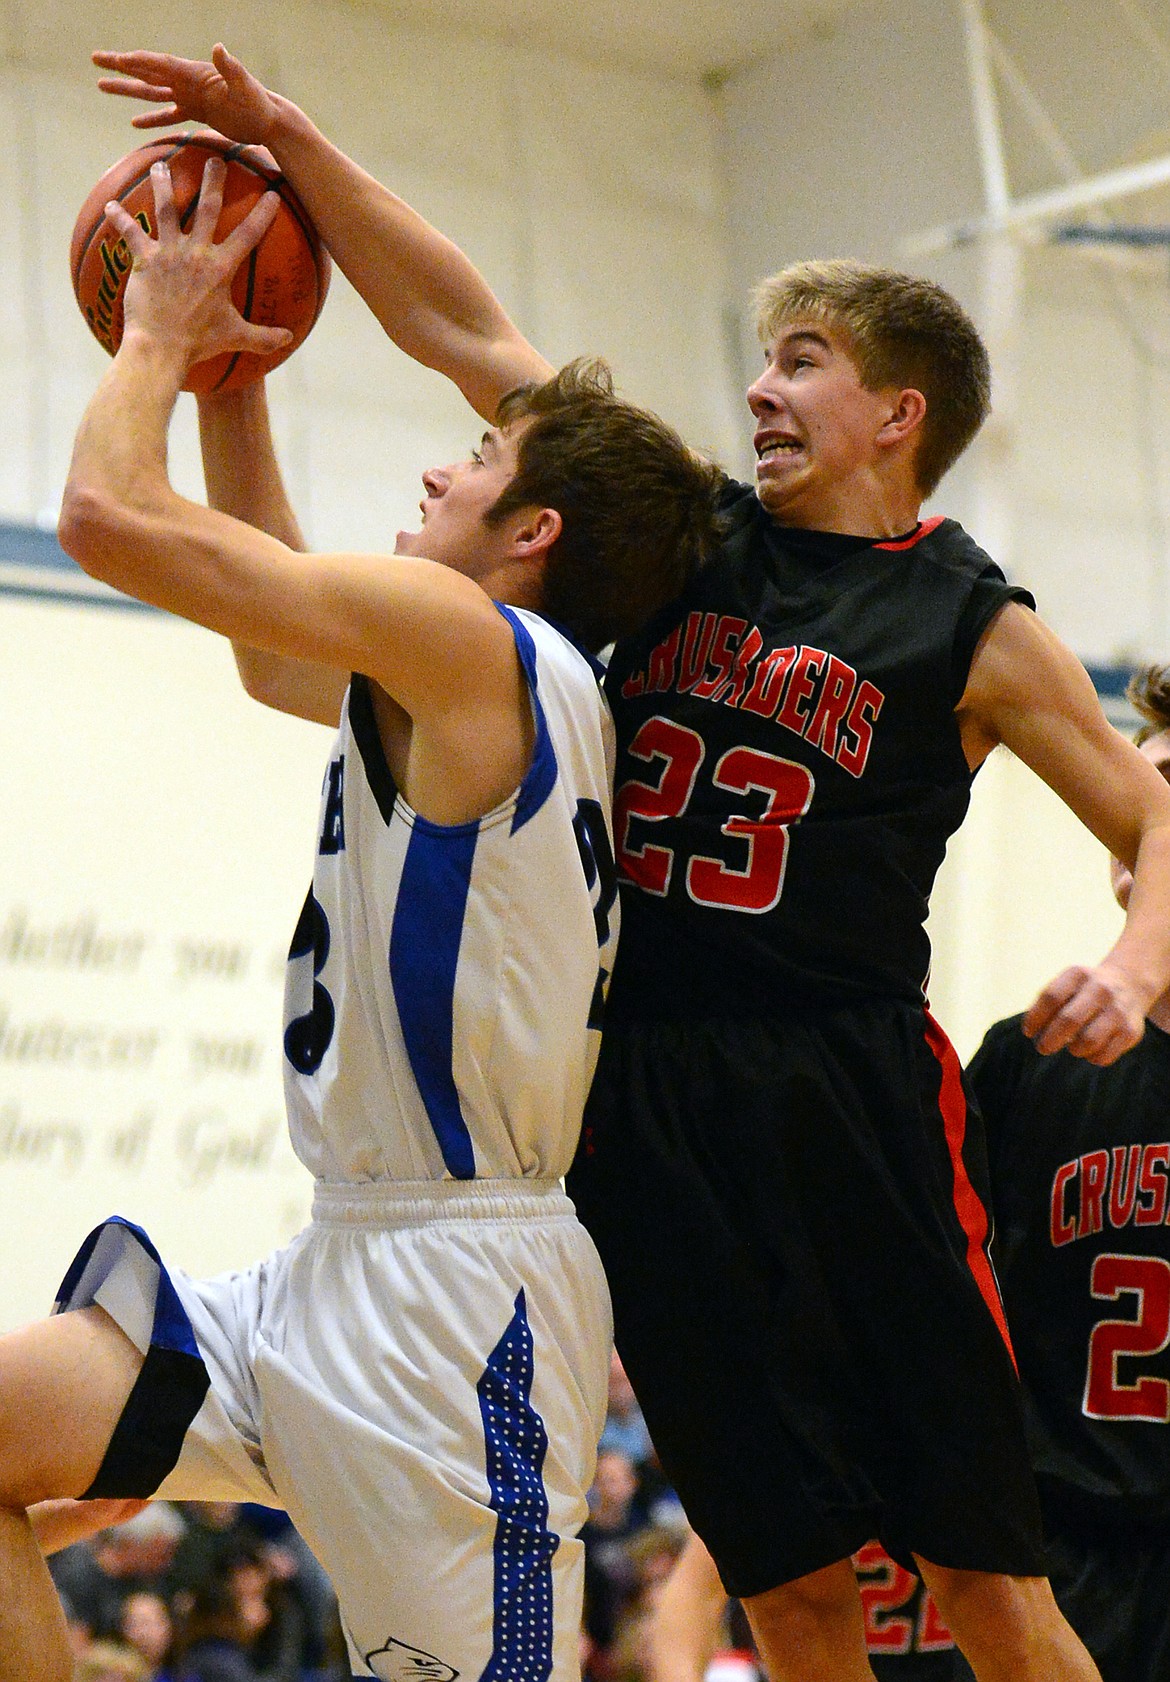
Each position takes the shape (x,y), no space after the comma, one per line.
(772,497)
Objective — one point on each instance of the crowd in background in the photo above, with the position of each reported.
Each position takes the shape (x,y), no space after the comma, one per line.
(203,1592)
(218,1592)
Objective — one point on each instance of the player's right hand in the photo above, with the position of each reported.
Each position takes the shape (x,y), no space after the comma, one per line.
(179,290)
(1097,1013)
(221,94)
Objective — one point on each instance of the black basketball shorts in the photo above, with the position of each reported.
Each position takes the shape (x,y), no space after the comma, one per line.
(791,1214)
(1115,1592)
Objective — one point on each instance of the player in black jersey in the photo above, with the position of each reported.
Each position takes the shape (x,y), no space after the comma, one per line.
(905,1636)
(780,1167)
(1079,1163)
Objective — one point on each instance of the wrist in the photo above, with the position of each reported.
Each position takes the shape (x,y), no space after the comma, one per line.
(168,355)
(1143,979)
(288,126)
(243,402)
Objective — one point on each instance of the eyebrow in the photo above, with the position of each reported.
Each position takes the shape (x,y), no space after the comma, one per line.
(808,334)
(489,441)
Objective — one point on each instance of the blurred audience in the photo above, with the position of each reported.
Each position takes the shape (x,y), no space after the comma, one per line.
(200,1592)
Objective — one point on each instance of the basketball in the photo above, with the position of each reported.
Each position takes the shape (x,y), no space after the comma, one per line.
(282,283)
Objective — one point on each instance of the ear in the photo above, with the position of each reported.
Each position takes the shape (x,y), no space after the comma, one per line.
(536,534)
(907,412)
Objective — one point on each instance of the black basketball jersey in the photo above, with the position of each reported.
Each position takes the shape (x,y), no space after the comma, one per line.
(789,764)
(1080,1165)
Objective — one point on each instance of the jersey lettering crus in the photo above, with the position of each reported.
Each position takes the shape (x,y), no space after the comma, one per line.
(1080,1170)
(790,767)
(445,983)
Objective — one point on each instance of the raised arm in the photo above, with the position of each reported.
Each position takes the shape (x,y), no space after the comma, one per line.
(1029,692)
(428,296)
(429,636)
(243,479)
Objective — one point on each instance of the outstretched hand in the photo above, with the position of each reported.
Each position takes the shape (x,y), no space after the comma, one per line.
(179,290)
(221,94)
(1097,1014)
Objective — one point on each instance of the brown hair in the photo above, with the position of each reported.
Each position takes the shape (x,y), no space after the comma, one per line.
(901,330)
(638,508)
(1148,692)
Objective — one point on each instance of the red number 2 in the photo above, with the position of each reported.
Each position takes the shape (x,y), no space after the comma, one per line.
(1148,1333)
(757,884)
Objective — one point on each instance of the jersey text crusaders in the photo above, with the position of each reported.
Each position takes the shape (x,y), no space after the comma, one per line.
(790,766)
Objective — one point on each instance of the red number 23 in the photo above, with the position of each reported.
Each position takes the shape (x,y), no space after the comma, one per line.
(756,885)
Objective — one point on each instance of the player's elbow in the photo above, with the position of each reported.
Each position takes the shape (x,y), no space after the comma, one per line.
(255,672)
(92,528)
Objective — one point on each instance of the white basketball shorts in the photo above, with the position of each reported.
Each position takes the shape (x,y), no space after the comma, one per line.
(419,1379)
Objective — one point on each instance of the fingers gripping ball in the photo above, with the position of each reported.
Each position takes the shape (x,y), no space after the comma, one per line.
(282,283)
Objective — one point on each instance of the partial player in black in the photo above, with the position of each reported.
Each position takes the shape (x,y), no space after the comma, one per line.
(780,1168)
(905,1636)
(1080,1159)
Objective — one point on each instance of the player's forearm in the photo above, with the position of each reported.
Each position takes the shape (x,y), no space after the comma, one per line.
(243,478)
(118,473)
(1142,950)
(240,467)
(426,293)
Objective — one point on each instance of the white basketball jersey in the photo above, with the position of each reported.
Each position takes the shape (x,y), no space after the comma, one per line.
(445,983)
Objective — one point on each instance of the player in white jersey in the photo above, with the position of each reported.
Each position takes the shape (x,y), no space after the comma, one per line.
(420,1377)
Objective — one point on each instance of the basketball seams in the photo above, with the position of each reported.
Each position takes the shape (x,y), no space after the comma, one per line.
(268,177)
(120,195)
(246,312)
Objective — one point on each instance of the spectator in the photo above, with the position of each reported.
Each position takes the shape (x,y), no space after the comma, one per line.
(215,1531)
(146,1625)
(625,1429)
(273,1623)
(214,1637)
(95,1577)
(610,1575)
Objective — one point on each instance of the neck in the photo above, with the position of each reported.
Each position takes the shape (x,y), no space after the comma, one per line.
(872,509)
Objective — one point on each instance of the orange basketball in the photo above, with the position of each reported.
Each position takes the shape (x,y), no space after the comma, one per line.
(282,283)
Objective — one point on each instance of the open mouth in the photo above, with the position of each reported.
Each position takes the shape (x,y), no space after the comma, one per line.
(774,449)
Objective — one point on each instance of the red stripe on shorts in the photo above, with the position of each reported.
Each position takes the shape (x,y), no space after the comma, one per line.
(972,1215)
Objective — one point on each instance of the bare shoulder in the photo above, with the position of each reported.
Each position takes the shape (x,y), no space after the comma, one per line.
(1021,676)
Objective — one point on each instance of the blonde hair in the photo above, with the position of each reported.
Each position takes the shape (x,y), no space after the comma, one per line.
(900,330)
(110,1661)
(1148,692)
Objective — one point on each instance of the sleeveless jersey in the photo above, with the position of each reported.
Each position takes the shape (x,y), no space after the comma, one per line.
(445,983)
(790,766)
(1080,1164)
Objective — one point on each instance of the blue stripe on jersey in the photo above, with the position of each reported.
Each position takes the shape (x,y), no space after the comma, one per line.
(425,938)
(541,776)
(516,1440)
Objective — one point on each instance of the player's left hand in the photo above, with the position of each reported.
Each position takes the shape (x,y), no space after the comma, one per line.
(59,1524)
(179,291)
(221,92)
(1098,1014)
